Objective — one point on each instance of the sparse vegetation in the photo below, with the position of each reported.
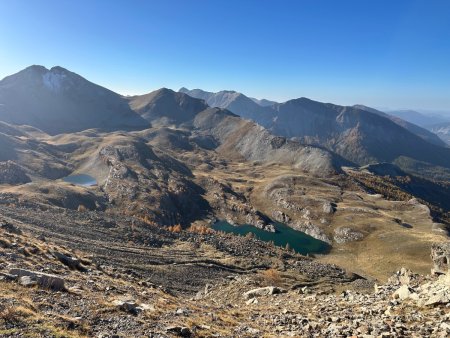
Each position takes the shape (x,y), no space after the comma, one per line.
(200,229)
(146,219)
(404,188)
(15,314)
(131,251)
(272,277)
(176,229)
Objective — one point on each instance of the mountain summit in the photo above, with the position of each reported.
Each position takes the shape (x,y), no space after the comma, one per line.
(238,103)
(164,106)
(58,101)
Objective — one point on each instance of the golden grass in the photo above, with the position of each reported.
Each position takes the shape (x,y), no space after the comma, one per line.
(16,314)
(4,243)
(272,277)
(176,229)
(81,208)
(200,229)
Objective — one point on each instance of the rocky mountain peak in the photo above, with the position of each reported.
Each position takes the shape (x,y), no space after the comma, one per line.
(56,101)
(54,79)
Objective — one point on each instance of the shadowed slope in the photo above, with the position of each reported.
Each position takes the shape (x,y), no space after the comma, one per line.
(413,128)
(59,101)
(166,107)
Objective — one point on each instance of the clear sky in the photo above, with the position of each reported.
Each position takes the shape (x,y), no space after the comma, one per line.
(392,53)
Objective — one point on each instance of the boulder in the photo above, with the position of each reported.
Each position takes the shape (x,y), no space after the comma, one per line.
(328,208)
(280,216)
(182,312)
(132,307)
(405,276)
(266,291)
(311,229)
(403,292)
(181,331)
(346,234)
(440,255)
(438,298)
(128,306)
(27,281)
(44,280)
(69,261)
(401,277)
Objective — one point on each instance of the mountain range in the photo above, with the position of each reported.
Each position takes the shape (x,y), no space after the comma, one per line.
(58,101)
(360,134)
(420,119)
(140,190)
(424,133)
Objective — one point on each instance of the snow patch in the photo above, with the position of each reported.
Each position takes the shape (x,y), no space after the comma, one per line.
(53,81)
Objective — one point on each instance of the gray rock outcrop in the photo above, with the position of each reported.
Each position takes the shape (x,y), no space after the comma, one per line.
(11,173)
(266,291)
(312,230)
(44,280)
(440,255)
(346,234)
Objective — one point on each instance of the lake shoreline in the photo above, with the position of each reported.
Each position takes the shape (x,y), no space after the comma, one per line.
(284,236)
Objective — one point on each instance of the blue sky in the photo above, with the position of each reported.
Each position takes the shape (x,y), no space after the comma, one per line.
(393,54)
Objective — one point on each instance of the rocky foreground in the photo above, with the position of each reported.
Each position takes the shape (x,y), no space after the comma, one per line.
(52,288)
(418,308)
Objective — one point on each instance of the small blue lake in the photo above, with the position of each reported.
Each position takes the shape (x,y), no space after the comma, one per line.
(298,241)
(81,179)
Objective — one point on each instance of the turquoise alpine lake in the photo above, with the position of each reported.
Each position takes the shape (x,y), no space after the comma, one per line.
(297,240)
(81,179)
